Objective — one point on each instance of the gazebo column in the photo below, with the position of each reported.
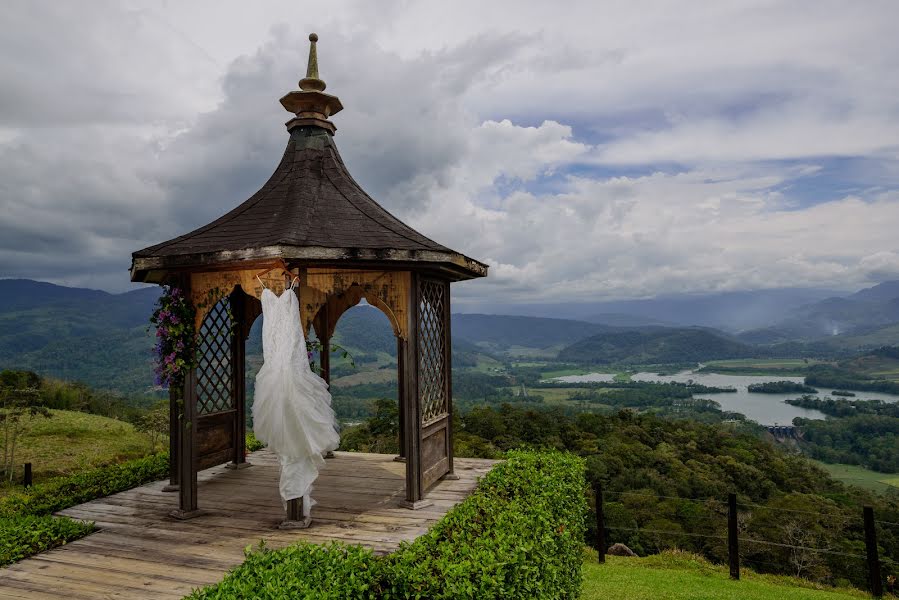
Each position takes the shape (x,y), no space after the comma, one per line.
(238,378)
(187,451)
(174,440)
(400,385)
(411,409)
(448,375)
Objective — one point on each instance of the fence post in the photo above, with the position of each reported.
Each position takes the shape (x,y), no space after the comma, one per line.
(28,477)
(600,524)
(874,581)
(733,545)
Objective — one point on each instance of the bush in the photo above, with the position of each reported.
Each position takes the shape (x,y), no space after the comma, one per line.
(21,537)
(63,492)
(331,571)
(519,535)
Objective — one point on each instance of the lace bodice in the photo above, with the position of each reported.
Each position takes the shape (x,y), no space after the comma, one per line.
(282,334)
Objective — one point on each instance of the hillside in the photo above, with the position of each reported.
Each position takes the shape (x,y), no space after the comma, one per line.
(70,441)
(655,346)
(840,321)
(71,333)
(504,331)
(681,576)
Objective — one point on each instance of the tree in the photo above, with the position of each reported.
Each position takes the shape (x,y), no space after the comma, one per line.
(155,424)
(18,405)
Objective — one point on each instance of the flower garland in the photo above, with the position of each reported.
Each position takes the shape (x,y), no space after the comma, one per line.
(175,347)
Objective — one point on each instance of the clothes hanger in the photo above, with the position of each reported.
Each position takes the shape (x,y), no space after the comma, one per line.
(280,265)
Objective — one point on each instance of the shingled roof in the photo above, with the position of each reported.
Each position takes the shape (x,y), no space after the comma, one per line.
(311,209)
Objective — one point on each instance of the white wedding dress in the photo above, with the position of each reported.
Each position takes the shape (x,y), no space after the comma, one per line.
(292,411)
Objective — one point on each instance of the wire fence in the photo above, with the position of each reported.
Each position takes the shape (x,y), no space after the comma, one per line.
(806,546)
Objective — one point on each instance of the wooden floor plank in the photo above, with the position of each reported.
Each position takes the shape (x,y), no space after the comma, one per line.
(142,552)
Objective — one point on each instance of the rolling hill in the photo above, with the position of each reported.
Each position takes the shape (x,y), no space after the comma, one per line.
(655,346)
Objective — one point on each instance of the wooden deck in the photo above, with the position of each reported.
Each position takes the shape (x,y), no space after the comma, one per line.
(141,552)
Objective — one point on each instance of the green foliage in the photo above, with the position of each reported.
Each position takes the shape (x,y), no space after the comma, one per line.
(830,376)
(655,346)
(253,444)
(25,536)
(63,492)
(519,535)
(19,402)
(302,571)
(841,407)
(781,387)
(869,440)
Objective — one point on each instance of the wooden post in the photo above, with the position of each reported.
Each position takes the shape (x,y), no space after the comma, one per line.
(239,334)
(296,518)
(600,523)
(174,441)
(325,355)
(187,455)
(733,545)
(412,420)
(28,476)
(401,385)
(874,581)
(448,373)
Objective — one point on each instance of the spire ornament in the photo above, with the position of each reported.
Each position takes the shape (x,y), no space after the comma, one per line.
(311,105)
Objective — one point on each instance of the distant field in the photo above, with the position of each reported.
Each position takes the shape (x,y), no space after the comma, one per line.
(861,477)
(71,441)
(756,366)
(682,576)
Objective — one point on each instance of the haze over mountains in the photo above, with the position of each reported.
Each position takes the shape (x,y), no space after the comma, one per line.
(102,338)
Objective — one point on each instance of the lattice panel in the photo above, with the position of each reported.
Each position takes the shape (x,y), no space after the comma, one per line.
(432,350)
(214,369)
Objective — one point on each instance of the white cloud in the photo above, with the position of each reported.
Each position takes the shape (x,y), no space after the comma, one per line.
(519,135)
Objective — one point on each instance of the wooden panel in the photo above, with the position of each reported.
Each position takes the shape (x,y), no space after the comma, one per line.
(434,454)
(215,432)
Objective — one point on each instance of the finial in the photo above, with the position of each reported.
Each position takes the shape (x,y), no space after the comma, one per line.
(311,82)
(311,105)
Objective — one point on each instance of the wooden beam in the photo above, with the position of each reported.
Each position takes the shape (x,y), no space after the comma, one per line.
(412,417)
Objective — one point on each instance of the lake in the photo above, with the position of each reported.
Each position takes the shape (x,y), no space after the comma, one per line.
(767,409)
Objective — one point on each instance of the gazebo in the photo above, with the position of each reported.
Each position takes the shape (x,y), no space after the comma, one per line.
(313,221)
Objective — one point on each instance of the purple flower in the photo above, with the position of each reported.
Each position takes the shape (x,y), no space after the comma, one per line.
(309,355)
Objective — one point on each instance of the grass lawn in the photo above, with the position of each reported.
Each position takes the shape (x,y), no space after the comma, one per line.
(760,366)
(72,441)
(861,477)
(683,576)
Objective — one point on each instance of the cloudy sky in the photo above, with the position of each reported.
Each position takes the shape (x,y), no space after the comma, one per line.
(606,150)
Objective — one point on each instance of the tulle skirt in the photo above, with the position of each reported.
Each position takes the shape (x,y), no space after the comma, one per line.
(292,415)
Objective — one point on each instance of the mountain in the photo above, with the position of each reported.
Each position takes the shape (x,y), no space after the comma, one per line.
(655,346)
(836,319)
(730,311)
(501,332)
(73,333)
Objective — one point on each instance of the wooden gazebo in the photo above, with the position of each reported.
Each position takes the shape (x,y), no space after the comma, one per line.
(311,220)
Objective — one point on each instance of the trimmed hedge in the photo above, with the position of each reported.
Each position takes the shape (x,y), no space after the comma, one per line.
(21,537)
(63,492)
(519,535)
(26,524)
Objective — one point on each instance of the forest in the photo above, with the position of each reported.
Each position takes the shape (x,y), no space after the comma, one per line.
(673,475)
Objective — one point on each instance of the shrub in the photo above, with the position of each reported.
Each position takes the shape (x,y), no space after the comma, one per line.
(63,492)
(331,571)
(21,537)
(519,535)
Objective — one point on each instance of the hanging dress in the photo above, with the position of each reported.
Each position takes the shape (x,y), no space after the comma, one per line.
(292,411)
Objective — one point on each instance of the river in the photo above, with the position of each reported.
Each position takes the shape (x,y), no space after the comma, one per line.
(767,409)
